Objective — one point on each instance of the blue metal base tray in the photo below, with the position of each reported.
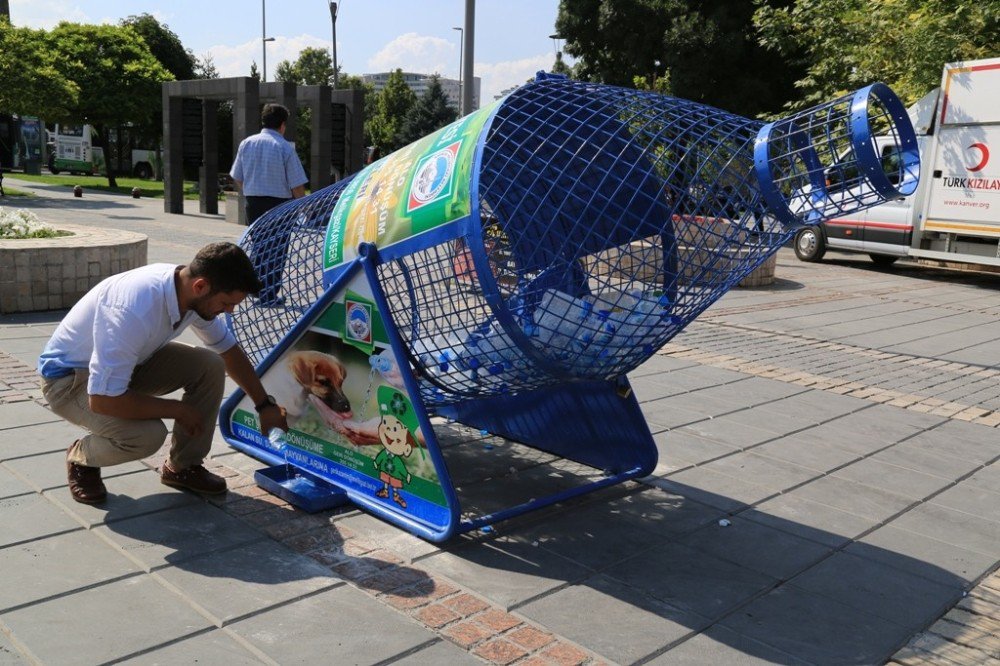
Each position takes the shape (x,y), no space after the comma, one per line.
(301,490)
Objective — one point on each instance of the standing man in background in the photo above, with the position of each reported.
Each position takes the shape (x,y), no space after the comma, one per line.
(268,172)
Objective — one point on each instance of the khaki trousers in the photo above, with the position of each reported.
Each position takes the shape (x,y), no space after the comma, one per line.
(198,371)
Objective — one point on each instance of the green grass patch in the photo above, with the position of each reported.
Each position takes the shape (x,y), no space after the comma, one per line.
(14,192)
(152,189)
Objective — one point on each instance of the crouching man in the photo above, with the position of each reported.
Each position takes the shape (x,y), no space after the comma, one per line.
(112,357)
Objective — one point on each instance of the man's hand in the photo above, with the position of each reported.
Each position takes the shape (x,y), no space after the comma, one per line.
(273,416)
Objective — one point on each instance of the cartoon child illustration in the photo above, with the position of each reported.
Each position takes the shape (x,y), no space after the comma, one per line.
(397,442)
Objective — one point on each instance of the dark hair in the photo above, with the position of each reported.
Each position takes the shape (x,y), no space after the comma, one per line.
(226,267)
(273,115)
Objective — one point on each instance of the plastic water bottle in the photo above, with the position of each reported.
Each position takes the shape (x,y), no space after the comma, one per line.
(277,438)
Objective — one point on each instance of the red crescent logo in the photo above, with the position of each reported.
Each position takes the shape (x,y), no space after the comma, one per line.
(984,153)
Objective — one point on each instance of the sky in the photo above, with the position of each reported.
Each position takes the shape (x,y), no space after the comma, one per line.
(512,39)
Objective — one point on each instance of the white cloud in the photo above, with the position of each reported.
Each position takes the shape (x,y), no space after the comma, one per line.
(417,53)
(236,60)
(423,54)
(499,76)
(46,13)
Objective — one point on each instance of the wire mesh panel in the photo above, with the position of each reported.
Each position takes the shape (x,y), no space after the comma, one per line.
(286,247)
(604,220)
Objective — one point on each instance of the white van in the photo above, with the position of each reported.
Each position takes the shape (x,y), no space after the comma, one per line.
(954,215)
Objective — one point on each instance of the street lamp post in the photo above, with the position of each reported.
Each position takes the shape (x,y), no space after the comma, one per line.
(333,22)
(264,39)
(461,53)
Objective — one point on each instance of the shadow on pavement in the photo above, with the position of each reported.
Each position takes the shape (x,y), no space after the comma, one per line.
(639,571)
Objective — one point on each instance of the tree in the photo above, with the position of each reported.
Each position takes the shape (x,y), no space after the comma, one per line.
(843,45)
(706,50)
(206,69)
(30,82)
(431,112)
(254,72)
(118,77)
(165,45)
(390,108)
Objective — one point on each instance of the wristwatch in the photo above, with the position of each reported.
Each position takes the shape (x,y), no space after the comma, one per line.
(268,401)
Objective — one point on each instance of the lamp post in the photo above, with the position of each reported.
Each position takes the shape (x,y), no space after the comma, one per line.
(461,53)
(264,39)
(333,22)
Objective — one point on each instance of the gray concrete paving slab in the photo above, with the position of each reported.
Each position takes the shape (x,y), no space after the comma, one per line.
(810,520)
(210,647)
(48,470)
(987,478)
(691,580)
(9,654)
(665,512)
(732,430)
(156,540)
(750,392)
(680,449)
(11,485)
(596,535)
(342,625)
(441,652)
(24,414)
(104,623)
(724,491)
(630,625)
(806,452)
(30,440)
(925,556)
(757,547)
(247,579)
(29,517)
(52,572)
(889,592)
(718,645)
(128,496)
(816,629)
(982,504)
(853,497)
(507,572)
(962,529)
(923,456)
(891,478)
(771,473)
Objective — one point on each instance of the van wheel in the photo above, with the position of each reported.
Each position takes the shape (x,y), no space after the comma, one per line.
(810,244)
(143,171)
(883,260)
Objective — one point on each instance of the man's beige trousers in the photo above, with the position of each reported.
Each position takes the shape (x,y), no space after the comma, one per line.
(112,441)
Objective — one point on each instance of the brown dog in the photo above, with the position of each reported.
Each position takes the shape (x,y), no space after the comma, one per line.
(309,373)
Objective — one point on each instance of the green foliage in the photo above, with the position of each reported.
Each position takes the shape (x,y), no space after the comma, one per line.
(165,45)
(390,109)
(431,112)
(30,80)
(846,44)
(313,67)
(118,77)
(254,72)
(705,48)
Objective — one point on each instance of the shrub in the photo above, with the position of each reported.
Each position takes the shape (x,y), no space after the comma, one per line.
(17,223)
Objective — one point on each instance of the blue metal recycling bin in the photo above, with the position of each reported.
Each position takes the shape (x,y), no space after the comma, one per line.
(508,270)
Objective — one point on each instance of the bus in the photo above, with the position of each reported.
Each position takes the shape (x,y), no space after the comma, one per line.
(71,149)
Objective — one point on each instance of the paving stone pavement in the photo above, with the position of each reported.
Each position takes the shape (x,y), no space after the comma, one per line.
(827,494)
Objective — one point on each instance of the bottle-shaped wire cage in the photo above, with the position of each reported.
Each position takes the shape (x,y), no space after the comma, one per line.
(599,222)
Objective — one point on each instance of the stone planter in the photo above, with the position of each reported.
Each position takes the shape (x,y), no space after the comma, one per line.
(53,273)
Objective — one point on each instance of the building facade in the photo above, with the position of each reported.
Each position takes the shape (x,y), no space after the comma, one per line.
(418,83)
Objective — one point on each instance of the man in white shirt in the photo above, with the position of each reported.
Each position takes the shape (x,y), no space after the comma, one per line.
(112,356)
(268,172)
